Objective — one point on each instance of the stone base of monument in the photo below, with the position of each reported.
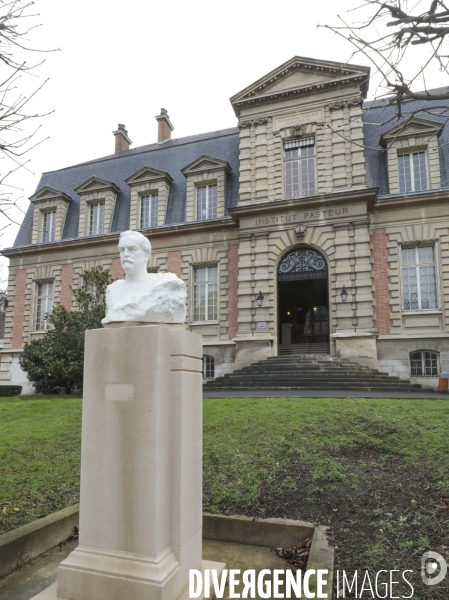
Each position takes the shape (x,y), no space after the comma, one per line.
(141,467)
(51,592)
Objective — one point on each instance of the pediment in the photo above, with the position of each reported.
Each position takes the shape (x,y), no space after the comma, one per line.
(95,183)
(48,193)
(304,76)
(148,174)
(412,127)
(204,164)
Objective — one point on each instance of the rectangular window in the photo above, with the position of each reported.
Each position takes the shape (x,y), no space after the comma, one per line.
(148,210)
(419,288)
(44,305)
(412,172)
(299,162)
(96,223)
(49,221)
(205,294)
(206,202)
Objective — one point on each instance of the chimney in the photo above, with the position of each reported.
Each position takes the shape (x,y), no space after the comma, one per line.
(164,128)
(122,141)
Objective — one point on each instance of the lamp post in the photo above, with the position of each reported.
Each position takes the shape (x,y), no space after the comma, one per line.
(344,294)
(259,299)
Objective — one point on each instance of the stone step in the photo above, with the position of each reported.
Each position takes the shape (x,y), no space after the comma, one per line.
(309,372)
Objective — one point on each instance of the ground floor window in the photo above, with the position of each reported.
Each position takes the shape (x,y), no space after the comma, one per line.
(208,367)
(44,305)
(424,363)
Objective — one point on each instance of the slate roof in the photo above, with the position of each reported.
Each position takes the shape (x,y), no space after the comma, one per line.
(174,155)
(170,156)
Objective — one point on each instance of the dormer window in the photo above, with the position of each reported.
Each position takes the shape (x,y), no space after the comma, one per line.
(412,169)
(50,209)
(206,202)
(96,220)
(49,225)
(150,189)
(149,210)
(300,172)
(206,188)
(97,205)
(413,156)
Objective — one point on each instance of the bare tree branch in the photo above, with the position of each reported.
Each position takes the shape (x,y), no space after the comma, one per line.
(17,138)
(386,35)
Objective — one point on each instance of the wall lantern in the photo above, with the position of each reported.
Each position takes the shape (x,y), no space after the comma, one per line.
(344,294)
(259,299)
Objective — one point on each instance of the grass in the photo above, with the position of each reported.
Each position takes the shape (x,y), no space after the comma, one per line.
(352,464)
(39,457)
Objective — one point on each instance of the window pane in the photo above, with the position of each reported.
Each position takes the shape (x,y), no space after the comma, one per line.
(96,219)
(405,175)
(199,302)
(428,287)
(426,255)
(212,202)
(410,288)
(419,171)
(144,211)
(49,226)
(200,274)
(212,294)
(154,210)
(408,256)
(416,364)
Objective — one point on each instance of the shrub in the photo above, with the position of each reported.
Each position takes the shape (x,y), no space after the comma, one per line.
(54,363)
(10,390)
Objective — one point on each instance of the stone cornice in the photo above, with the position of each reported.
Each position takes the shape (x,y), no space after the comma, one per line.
(111,238)
(368,195)
(390,203)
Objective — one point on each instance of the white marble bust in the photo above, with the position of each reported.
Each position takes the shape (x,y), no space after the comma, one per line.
(142,296)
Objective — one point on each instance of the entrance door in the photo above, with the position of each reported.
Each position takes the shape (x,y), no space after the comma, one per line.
(303,298)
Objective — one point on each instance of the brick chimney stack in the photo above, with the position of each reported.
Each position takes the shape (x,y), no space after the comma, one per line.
(164,128)
(122,141)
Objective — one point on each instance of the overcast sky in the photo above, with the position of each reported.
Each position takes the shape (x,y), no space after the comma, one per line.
(120,62)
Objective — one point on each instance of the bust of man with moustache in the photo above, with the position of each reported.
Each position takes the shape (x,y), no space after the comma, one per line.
(143,297)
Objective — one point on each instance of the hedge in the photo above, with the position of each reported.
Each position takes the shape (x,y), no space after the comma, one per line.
(10,390)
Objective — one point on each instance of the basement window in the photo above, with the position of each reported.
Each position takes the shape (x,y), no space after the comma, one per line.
(424,363)
(208,367)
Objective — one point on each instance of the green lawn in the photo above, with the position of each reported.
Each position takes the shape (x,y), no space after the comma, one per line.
(352,464)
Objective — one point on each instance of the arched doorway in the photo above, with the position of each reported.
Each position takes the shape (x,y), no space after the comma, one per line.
(303,301)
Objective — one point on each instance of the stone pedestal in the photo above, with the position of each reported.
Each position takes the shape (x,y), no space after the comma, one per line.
(141,462)
(357,346)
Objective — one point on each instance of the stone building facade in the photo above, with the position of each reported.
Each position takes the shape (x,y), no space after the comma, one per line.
(318,224)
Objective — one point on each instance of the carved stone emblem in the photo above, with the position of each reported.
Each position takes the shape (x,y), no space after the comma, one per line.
(300,232)
(253,122)
(355,101)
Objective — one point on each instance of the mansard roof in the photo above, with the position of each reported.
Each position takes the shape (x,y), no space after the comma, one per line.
(170,157)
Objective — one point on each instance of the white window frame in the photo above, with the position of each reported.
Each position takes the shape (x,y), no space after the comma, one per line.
(46,216)
(207,283)
(214,201)
(410,154)
(153,208)
(97,227)
(291,145)
(403,266)
(43,304)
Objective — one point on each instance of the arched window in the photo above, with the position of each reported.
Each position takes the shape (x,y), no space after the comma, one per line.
(208,367)
(424,363)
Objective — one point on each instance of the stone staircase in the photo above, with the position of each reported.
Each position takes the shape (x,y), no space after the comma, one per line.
(309,372)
